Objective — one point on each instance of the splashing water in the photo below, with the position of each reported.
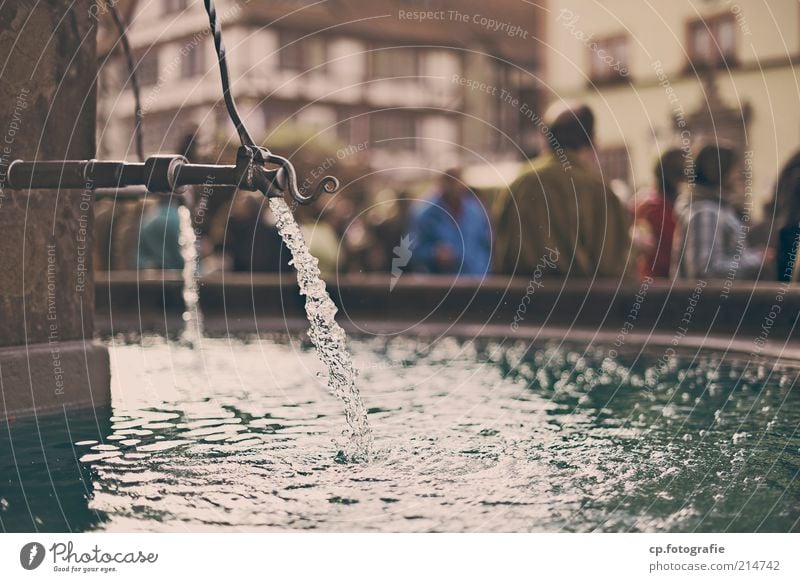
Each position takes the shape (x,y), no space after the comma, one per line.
(327,336)
(192,316)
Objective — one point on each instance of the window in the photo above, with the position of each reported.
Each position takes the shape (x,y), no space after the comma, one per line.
(396,130)
(276,113)
(166,130)
(608,59)
(192,63)
(146,67)
(344,126)
(527,132)
(315,53)
(393,62)
(172,6)
(302,54)
(291,54)
(712,42)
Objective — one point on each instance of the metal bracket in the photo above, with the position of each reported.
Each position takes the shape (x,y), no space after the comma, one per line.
(278,181)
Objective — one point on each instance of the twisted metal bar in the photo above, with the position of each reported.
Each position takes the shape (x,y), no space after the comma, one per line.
(230,105)
(267,181)
(126,48)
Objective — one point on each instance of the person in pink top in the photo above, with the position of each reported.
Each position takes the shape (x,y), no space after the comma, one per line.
(654,218)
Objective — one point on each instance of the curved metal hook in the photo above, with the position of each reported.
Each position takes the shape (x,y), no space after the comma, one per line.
(287,181)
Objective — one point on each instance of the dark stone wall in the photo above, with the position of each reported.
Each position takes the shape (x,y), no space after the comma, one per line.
(47,111)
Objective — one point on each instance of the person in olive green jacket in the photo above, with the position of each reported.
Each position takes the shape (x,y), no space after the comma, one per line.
(561,209)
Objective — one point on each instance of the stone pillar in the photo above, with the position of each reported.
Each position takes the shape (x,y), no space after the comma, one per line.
(48,359)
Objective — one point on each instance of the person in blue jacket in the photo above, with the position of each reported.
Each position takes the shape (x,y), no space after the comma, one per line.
(159,238)
(450,231)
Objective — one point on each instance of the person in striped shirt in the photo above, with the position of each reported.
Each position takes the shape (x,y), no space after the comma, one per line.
(710,238)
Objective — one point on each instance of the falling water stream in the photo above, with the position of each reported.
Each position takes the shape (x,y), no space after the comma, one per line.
(192,317)
(327,336)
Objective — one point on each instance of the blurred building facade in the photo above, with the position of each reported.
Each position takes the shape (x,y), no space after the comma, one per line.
(675,73)
(397,83)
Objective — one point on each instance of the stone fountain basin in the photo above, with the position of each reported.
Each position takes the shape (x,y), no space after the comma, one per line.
(632,316)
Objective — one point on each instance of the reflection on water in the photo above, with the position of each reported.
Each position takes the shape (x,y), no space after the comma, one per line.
(475,436)
(43,485)
(192,316)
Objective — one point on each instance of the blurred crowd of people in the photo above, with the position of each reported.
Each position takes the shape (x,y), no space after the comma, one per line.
(691,223)
(688,224)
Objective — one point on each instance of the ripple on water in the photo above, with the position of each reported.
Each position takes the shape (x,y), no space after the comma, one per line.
(473,436)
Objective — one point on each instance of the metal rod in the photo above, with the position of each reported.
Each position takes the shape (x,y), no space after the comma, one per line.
(133,75)
(158,174)
(167,173)
(207,174)
(230,104)
(132,194)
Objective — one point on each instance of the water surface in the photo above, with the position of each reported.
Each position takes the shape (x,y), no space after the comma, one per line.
(469,436)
